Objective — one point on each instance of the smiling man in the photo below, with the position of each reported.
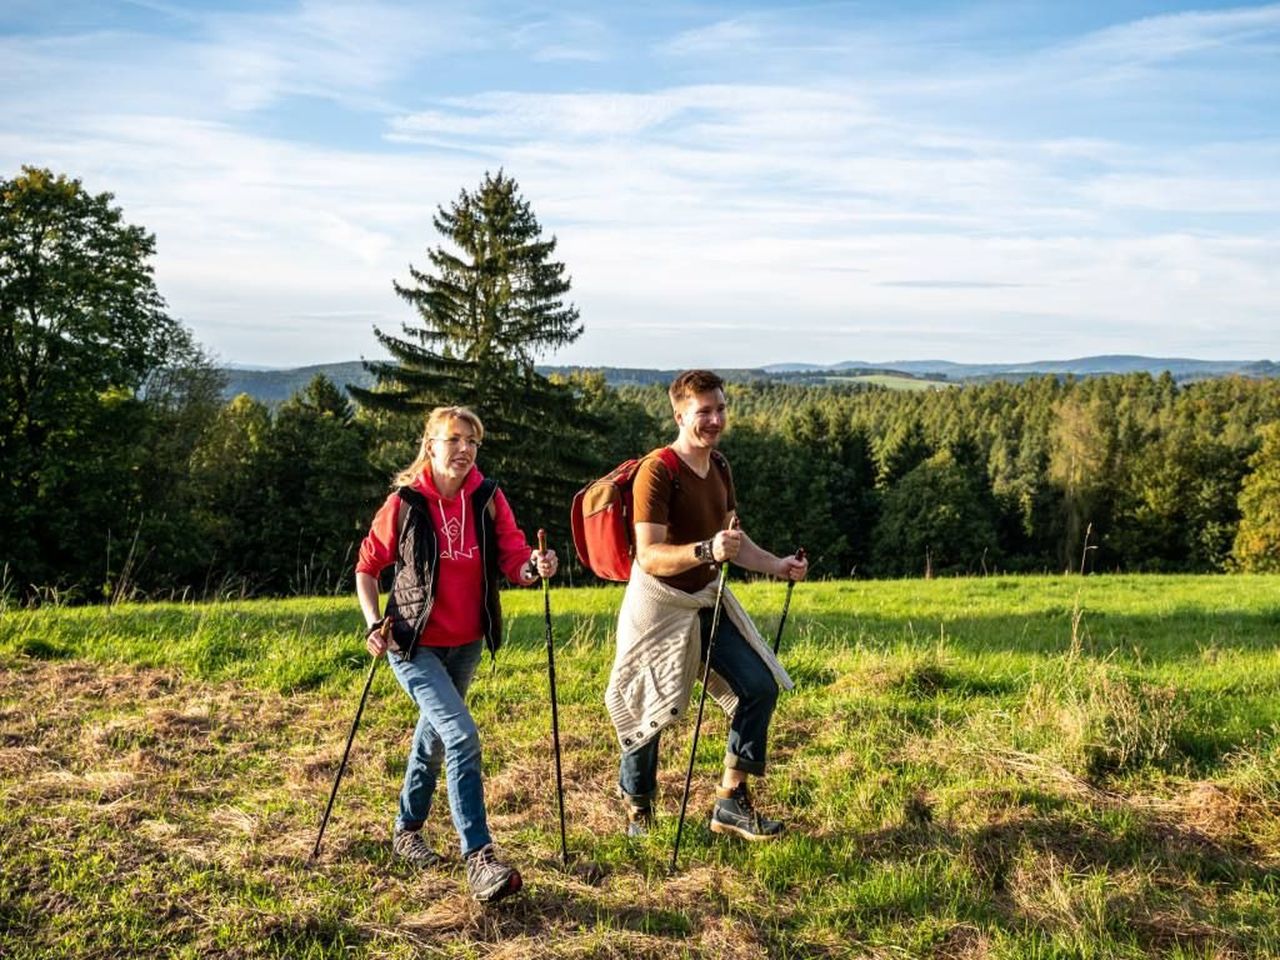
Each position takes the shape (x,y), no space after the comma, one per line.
(683,509)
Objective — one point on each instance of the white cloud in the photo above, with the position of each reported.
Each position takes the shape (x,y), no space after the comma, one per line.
(1172,36)
(349,52)
(722,37)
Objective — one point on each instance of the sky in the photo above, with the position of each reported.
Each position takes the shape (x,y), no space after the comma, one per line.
(729,184)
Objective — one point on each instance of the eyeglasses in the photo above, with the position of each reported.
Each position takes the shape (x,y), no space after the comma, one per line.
(457,441)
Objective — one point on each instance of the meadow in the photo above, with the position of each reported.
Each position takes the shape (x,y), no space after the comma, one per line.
(1004,767)
(893,382)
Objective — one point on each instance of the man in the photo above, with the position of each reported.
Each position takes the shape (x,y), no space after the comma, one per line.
(684,506)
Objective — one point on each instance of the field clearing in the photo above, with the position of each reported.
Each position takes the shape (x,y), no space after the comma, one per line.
(912,384)
(1005,767)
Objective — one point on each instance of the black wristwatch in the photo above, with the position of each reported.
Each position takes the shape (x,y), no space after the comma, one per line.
(704,551)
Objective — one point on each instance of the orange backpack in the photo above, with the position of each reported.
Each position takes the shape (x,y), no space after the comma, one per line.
(603,521)
(603,518)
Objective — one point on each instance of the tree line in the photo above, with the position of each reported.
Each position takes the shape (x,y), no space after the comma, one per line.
(125,474)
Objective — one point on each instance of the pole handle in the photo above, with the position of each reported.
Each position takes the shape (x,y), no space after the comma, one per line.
(542,540)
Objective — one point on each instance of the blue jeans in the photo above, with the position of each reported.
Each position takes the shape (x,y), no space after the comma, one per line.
(757,693)
(437,679)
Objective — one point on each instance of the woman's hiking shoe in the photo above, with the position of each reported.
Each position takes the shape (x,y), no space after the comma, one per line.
(489,878)
(409,845)
(639,820)
(639,813)
(733,814)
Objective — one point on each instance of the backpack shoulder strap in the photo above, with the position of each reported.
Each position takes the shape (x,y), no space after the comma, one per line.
(669,458)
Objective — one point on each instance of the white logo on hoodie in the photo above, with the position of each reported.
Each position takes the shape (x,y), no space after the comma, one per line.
(455,529)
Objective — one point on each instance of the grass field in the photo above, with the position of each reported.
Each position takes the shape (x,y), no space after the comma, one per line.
(1000,767)
(894,382)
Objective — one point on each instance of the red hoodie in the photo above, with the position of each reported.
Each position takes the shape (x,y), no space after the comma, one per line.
(457,616)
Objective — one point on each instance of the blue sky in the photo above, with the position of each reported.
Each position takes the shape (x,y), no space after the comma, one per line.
(730,183)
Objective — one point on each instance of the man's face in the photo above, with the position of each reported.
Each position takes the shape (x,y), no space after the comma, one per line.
(703,417)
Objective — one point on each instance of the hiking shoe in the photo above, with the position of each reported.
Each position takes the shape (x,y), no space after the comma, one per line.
(639,813)
(409,845)
(733,814)
(639,820)
(489,878)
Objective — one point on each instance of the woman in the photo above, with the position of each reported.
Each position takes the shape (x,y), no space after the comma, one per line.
(450,532)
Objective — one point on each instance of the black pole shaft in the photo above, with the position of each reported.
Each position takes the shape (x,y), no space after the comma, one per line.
(786,605)
(555,710)
(702,702)
(345,753)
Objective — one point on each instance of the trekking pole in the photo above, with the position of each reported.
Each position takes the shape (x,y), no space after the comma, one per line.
(382,632)
(702,702)
(786,605)
(555,714)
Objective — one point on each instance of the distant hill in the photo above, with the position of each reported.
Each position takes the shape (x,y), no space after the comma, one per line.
(274,386)
(1181,368)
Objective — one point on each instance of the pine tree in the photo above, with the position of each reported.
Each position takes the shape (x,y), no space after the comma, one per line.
(490,305)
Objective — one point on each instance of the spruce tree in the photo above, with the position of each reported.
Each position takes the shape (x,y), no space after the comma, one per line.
(492,303)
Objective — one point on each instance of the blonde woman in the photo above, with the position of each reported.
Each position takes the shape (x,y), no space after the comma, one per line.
(451,534)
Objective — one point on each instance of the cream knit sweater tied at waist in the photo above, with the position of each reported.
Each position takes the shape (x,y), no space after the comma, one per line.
(658,656)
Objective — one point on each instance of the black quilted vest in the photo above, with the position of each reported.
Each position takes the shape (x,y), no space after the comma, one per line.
(413,590)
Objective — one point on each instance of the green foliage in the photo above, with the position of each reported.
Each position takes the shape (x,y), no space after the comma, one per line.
(1151,469)
(1257,543)
(939,519)
(283,500)
(101,392)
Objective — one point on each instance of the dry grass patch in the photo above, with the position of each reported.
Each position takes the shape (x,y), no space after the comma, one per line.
(197,804)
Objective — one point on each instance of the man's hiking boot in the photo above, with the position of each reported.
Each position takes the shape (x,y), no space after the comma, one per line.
(733,814)
(409,845)
(489,878)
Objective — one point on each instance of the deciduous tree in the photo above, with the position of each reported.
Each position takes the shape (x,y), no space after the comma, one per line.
(1257,546)
(82,331)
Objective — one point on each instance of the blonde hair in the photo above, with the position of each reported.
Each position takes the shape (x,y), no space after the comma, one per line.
(437,418)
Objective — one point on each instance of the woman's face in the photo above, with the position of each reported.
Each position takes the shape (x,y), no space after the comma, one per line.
(453,449)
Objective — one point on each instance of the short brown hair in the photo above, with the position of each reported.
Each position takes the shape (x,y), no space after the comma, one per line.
(691,383)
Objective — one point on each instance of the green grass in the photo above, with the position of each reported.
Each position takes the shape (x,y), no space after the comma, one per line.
(999,767)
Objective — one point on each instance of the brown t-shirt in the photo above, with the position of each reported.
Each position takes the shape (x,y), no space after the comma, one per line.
(692,508)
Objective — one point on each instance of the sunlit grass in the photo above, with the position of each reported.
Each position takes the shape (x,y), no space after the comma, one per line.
(999,767)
